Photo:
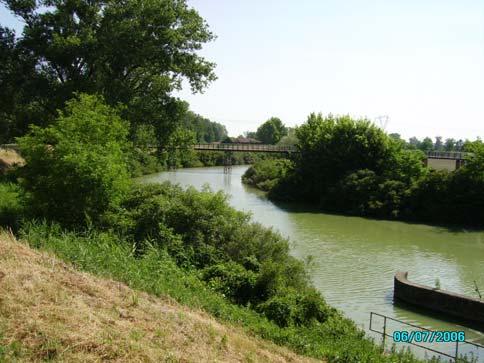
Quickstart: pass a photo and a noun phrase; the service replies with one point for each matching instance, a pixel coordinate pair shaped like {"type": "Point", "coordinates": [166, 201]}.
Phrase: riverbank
{"type": "Point", "coordinates": [360, 194]}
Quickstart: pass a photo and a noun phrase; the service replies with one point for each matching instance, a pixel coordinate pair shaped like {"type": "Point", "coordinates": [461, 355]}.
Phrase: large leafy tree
{"type": "Point", "coordinates": [23, 92]}
{"type": "Point", "coordinates": [331, 147]}
{"type": "Point", "coordinates": [271, 131]}
{"type": "Point", "coordinates": [134, 52]}
{"type": "Point", "coordinates": [339, 155]}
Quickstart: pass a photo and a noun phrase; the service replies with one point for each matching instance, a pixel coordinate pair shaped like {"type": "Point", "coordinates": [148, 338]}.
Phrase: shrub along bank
{"type": "Point", "coordinates": [351, 166]}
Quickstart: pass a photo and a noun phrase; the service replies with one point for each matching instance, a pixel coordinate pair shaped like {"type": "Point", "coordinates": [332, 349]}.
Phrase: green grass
{"type": "Point", "coordinates": [11, 208]}
{"type": "Point", "coordinates": [155, 272]}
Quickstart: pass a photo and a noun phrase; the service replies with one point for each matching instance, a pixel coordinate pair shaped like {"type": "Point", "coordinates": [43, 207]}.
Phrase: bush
{"type": "Point", "coordinates": [364, 193]}
{"type": "Point", "coordinates": [141, 162]}
{"type": "Point", "coordinates": [279, 309]}
{"type": "Point", "coordinates": [296, 308]}
{"type": "Point", "coordinates": [267, 173]}
{"type": "Point", "coordinates": [12, 208]}
{"type": "Point", "coordinates": [76, 168]}
{"type": "Point", "coordinates": [232, 280]}
{"type": "Point", "coordinates": [243, 260]}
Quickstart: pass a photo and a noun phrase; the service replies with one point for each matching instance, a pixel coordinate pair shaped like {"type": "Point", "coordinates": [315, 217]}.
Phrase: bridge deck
{"type": "Point", "coordinates": [452, 155]}
{"type": "Point", "coordinates": [245, 148]}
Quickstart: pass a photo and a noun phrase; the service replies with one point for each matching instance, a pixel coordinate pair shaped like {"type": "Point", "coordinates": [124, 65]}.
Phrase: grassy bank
{"type": "Point", "coordinates": [156, 273]}
{"type": "Point", "coordinates": [49, 311]}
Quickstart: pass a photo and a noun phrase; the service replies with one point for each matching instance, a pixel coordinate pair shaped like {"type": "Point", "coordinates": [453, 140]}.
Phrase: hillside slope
{"type": "Point", "coordinates": [50, 311]}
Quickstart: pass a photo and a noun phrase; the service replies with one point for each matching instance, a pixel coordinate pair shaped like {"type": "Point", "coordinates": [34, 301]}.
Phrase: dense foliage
{"type": "Point", "coordinates": [290, 139]}
{"type": "Point", "coordinates": [134, 52]}
{"type": "Point", "coordinates": [452, 197]}
{"type": "Point", "coordinates": [439, 144]}
{"type": "Point", "coordinates": [244, 260]}
{"type": "Point", "coordinates": [76, 168]}
{"type": "Point", "coordinates": [267, 173]}
{"type": "Point", "coordinates": [351, 166]}
{"type": "Point", "coordinates": [206, 131]}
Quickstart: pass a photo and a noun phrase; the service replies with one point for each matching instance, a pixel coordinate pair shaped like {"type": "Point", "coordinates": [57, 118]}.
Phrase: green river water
{"type": "Point", "coordinates": [355, 259]}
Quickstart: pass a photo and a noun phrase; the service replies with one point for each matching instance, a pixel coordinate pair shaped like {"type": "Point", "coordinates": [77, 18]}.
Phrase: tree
{"type": "Point", "coordinates": [250, 134]}
{"type": "Point", "coordinates": [459, 145]}
{"type": "Point", "coordinates": [332, 147]}
{"type": "Point", "coordinates": [290, 139]}
{"type": "Point", "coordinates": [426, 145]}
{"type": "Point", "coordinates": [271, 131]}
{"type": "Point", "coordinates": [133, 52]}
{"type": "Point", "coordinates": [413, 143]}
{"type": "Point", "coordinates": [439, 145]}
{"type": "Point", "coordinates": [472, 146]}
{"type": "Point", "coordinates": [204, 129]}
{"type": "Point", "coordinates": [449, 144]}
{"type": "Point", "coordinates": [20, 88]}
{"type": "Point", "coordinates": [76, 168]}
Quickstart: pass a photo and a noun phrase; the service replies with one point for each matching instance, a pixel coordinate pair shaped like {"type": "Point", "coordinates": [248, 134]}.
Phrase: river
{"type": "Point", "coordinates": [355, 259]}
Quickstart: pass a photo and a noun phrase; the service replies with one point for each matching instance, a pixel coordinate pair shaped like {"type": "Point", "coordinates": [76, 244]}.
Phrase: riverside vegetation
{"type": "Point", "coordinates": [353, 167]}
{"type": "Point", "coordinates": [74, 197]}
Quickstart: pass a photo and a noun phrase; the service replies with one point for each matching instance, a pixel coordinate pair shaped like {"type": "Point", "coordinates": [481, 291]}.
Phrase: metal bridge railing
{"type": "Point", "coordinates": [456, 355]}
{"type": "Point", "coordinates": [454, 155]}
{"type": "Point", "coordinates": [244, 147]}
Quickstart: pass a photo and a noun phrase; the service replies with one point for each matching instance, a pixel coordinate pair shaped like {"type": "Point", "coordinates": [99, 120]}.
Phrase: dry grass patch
{"type": "Point", "coordinates": [50, 311]}
{"type": "Point", "coordinates": [9, 158]}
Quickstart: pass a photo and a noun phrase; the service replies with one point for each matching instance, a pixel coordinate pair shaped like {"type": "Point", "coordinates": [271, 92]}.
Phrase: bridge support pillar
{"type": "Point", "coordinates": [227, 162]}
{"type": "Point", "coordinates": [171, 161]}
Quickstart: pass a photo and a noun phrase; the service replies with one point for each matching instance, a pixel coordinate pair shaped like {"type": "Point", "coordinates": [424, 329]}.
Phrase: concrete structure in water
{"type": "Point", "coordinates": [449, 303]}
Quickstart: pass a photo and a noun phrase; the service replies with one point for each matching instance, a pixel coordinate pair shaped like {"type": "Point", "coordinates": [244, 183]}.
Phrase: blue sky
{"type": "Point", "coordinates": [419, 62]}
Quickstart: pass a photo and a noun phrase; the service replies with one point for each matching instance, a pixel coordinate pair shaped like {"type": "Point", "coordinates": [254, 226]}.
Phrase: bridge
{"type": "Point", "coordinates": [446, 160]}
{"type": "Point", "coordinates": [438, 160]}
{"type": "Point", "coordinates": [230, 148]}
{"type": "Point", "coordinates": [258, 148]}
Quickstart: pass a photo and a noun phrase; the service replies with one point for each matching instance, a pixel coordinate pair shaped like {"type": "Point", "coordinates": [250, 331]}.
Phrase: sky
{"type": "Point", "coordinates": [419, 62]}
